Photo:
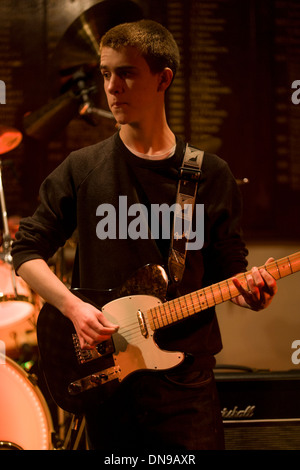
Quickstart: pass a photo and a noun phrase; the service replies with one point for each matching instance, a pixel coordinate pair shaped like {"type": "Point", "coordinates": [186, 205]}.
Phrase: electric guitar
{"type": "Point", "coordinates": [75, 376]}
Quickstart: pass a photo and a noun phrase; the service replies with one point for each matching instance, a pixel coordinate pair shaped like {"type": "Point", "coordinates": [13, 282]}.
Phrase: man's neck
{"type": "Point", "coordinates": [148, 143]}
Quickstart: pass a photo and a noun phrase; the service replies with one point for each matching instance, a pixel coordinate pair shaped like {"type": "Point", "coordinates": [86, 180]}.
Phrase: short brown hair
{"type": "Point", "coordinates": [154, 42]}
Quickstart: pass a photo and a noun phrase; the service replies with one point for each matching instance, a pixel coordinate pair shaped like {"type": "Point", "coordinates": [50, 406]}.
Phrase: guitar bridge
{"type": "Point", "coordinates": [86, 355]}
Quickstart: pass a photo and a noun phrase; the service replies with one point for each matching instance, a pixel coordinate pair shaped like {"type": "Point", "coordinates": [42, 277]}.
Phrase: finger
{"type": "Point", "coordinates": [239, 286]}
{"type": "Point", "coordinates": [243, 292]}
{"type": "Point", "coordinates": [93, 338]}
{"type": "Point", "coordinates": [106, 323]}
{"type": "Point", "coordinates": [85, 342]}
{"type": "Point", "coordinates": [87, 346]}
{"type": "Point", "coordinates": [89, 338]}
{"type": "Point", "coordinates": [90, 343]}
{"type": "Point", "coordinates": [270, 283]}
{"type": "Point", "coordinates": [270, 280]}
{"type": "Point", "coordinates": [97, 324]}
{"type": "Point", "coordinates": [252, 297]}
{"type": "Point", "coordinates": [255, 280]}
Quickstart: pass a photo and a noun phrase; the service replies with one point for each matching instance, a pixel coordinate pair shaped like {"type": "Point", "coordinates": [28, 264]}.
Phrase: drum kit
{"type": "Point", "coordinates": [25, 419]}
{"type": "Point", "coordinates": [29, 419]}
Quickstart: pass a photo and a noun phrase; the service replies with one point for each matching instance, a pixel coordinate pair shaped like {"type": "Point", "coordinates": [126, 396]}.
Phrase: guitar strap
{"type": "Point", "coordinates": [189, 176]}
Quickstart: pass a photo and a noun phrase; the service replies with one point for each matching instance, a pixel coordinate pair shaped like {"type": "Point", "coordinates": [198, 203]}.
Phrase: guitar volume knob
{"type": "Point", "coordinates": [98, 379]}
{"type": "Point", "coordinates": [95, 379]}
{"type": "Point", "coordinates": [74, 388]}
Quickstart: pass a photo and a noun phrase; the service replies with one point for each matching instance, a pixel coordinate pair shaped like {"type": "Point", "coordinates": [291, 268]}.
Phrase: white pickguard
{"type": "Point", "coordinates": [134, 351]}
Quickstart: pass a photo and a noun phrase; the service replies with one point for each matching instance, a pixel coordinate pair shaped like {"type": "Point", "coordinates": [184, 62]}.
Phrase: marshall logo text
{"type": "Point", "coordinates": [235, 413]}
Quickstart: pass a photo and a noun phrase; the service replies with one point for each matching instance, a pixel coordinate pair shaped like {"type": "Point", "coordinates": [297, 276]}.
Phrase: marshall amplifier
{"type": "Point", "coordinates": [260, 409]}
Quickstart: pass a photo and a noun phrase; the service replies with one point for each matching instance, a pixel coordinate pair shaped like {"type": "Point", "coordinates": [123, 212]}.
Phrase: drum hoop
{"type": "Point", "coordinates": [10, 445]}
{"type": "Point", "coordinates": [16, 298]}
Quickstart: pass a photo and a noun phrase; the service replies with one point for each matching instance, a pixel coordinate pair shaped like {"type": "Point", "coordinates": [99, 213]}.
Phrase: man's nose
{"type": "Point", "coordinates": [114, 84]}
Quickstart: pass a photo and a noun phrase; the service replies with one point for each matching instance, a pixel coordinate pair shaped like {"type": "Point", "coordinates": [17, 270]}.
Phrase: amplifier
{"type": "Point", "coordinates": [260, 409]}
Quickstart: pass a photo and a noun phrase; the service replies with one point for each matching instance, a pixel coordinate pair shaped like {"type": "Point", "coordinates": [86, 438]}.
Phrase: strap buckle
{"type": "Point", "coordinates": [189, 174]}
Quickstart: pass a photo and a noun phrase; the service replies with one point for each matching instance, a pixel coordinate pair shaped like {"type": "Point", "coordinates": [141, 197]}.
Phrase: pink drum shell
{"type": "Point", "coordinates": [25, 420]}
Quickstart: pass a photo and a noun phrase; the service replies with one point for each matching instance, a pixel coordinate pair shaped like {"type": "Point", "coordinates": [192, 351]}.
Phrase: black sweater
{"type": "Point", "coordinates": [99, 174]}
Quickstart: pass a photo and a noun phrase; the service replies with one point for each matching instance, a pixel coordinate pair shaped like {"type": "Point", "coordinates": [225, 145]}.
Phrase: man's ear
{"type": "Point", "coordinates": [166, 77]}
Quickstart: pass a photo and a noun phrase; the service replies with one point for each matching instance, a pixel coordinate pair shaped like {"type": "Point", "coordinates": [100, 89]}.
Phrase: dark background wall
{"type": "Point", "coordinates": [232, 95]}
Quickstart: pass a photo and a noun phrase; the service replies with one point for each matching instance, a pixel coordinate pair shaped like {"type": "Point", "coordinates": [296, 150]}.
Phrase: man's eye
{"type": "Point", "coordinates": [126, 74]}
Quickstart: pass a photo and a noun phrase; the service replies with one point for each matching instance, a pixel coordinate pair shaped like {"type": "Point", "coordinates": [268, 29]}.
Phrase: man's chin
{"type": "Point", "coordinates": [120, 120]}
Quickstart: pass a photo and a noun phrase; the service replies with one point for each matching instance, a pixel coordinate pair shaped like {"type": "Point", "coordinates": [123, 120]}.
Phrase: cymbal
{"type": "Point", "coordinates": [10, 138]}
{"type": "Point", "coordinates": [78, 51]}
{"type": "Point", "coordinates": [79, 45]}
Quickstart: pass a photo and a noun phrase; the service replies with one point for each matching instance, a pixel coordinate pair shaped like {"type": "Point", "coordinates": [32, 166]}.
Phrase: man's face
{"type": "Point", "coordinates": [132, 90]}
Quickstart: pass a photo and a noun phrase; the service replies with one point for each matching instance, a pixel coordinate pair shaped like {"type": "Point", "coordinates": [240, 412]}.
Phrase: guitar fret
{"type": "Point", "coordinates": [155, 322]}
{"type": "Point", "coordinates": [217, 294]}
{"type": "Point", "coordinates": [160, 317]}
{"type": "Point", "coordinates": [228, 286]}
{"type": "Point", "coordinates": [225, 290]}
{"type": "Point", "coordinates": [201, 302]}
{"type": "Point", "coordinates": [164, 321]}
{"type": "Point", "coordinates": [286, 269]}
{"type": "Point", "coordinates": [180, 307]}
{"type": "Point", "coordinates": [172, 312]}
{"type": "Point", "coordinates": [192, 303]}
{"type": "Point", "coordinates": [211, 301]}
{"type": "Point", "coordinates": [185, 303]}
{"type": "Point", "coordinates": [204, 292]}
{"type": "Point", "coordinates": [220, 290]}
{"type": "Point", "coordinates": [276, 264]}
{"type": "Point", "coordinates": [213, 295]}
{"type": "Point", "coordinates": [175, 309]}
{"type": "Point", "coordinates": [242, 277]}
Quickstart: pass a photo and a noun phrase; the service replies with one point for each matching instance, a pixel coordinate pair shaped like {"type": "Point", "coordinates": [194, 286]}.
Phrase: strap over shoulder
{"type": "Point", "coordinates": [189, 176]}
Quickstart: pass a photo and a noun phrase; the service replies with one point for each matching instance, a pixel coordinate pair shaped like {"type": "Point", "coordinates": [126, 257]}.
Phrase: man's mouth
{"type": "Point", "coordinates": [118, 104]}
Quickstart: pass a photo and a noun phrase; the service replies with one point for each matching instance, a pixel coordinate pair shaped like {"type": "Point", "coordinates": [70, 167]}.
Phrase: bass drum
{"type": "Point", "coordinates": [25, 420]}
{"type": "Point", "coordinates": [19, 308]}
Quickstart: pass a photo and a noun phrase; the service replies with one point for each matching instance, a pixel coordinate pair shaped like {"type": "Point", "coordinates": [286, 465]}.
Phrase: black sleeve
{"type": "Point", "coordinates": [53, 222]}
{"type": "Point", "coordinates": [224, 252]}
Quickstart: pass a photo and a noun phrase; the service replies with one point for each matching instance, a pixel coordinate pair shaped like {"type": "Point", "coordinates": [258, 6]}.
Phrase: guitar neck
{"type": "Point", "coordinates": [183, 307]}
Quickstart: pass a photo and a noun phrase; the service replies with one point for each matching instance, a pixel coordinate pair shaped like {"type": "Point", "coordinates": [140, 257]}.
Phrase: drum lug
{"type": "Point", "coordinates": [33, 379]}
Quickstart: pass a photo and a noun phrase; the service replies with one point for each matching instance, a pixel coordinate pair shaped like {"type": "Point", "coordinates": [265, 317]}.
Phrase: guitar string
{"type": "Point", "coordinates": [206, 300]}
{"type": "Point", "coordinates": [127, 330]}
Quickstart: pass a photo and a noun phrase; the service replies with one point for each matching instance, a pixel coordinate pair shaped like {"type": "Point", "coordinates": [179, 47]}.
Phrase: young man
{"type": "Point", "coordinates": [177, 409]}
